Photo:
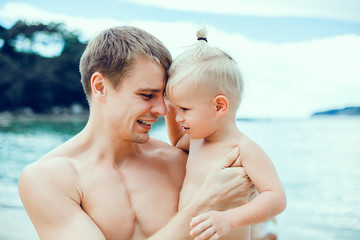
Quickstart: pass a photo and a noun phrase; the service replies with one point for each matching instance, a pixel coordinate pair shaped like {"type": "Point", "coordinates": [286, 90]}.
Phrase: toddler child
{"type": "Point", "coordinates": [205, 90]}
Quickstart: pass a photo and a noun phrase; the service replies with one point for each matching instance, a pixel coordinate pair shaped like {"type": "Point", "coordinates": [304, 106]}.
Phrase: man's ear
{"type": "Point", "coordinates": [221, 104]}
{"type": "Point", "coordinates": [98, 86]}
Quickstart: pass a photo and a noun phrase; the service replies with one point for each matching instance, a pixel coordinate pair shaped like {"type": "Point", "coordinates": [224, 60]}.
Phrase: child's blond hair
{"type": "Point", "coordinates": [209, 69]}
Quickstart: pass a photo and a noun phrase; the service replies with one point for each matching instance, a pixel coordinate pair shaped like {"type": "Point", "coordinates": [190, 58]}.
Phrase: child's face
{"type": "Point", "coordinates": [194, 111]}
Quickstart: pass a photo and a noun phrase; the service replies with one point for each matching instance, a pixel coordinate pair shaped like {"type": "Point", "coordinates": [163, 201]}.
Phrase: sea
{"type": "Point", "coordinates": [317, 160]}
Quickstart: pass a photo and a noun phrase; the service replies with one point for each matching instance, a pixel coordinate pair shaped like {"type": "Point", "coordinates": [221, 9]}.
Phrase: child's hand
{"type": "Point", "coordinates": [210, 225]}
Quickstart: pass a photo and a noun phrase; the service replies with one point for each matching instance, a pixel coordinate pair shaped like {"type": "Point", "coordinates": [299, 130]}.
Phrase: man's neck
{"type": "Point", "coordinates": [105, 145]}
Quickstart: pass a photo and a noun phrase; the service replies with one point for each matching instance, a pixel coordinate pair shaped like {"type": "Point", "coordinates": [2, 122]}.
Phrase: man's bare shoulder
{"type": "Point", "coordinates": [58, 162]}
{"type": "Point", "coordinates": [166, 155]}
{"type": "Point", "coordinates": [49, 174]}
{"type": "Point", "coordinates": [167, 152]}
{"type": "Point", "coordinates": [48, 166]}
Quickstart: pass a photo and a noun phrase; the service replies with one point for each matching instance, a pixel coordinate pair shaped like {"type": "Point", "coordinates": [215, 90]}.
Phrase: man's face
{"type": "Point", "coordinates": [135, 107]}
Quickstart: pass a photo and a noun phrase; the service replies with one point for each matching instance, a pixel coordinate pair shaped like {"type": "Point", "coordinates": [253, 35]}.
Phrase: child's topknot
{"type": "Point", "coordinates": [201, 35]}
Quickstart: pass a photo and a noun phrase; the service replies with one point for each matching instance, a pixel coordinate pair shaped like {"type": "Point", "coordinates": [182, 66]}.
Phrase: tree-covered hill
{"type": "Point", "coordinates": [31, 77]}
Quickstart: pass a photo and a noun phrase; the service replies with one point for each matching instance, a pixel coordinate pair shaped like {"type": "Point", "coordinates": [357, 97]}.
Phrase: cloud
{"type": "Point", "coordinates": [11, 12]}
{"type": "Point", "coordinates": [281, 80]}
{"type": "Point", "coordinates": [347, 10]}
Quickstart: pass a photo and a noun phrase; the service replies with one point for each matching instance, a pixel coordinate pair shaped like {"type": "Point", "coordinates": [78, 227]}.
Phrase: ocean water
{"type": "Point", "coordinates": [317, 159]}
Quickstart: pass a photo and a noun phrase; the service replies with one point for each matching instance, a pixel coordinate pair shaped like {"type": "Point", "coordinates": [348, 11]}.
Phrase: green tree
{"type": "Point", "coordinates": [31, 79]}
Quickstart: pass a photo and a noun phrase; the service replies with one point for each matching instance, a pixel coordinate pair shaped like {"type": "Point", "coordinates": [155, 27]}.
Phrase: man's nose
{"type": "Point", "coordinates": [159, 107]}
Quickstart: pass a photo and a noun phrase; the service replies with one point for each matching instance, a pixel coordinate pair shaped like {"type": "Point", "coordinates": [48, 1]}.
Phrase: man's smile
{"type": "Point", "coordinates": [146, 124]}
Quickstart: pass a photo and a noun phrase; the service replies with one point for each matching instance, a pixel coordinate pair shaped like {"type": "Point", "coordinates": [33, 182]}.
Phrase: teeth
{"type": "Point", "coordinates": [146, 122]}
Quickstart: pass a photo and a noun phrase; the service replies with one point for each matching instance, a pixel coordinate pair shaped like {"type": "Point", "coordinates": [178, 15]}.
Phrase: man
{"type": "Point", "coordinates": [112, 181]}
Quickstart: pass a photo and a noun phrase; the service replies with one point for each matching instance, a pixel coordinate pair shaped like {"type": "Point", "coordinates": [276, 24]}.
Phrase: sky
{"type": "Point", "coordinates": [296, 57]}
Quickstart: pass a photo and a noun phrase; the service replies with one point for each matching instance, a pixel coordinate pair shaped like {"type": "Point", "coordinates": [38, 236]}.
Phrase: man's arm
{"type": "Point", "coordinates": [223, 187]}
{"type": "Point", "coordinates": [52, 200]}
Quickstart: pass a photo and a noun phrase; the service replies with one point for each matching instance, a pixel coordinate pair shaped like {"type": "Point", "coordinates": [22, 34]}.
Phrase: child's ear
{"type": "Point", "coordinates": [221, 104]}
{"type": "Point", "coordinates": [98, 86]}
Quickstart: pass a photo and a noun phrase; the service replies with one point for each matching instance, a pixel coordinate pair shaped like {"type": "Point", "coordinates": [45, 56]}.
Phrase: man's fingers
{"type": "Point", "coordinates": [229, 158]}
{"type": "Point", "coordinates": [242, 172]}
{"type": "Point", "coordinates": [238, 174]}
{"type": "Point", "coordinates": [252, 188]}
{"type": "Point", "coordinates": [253, 193]}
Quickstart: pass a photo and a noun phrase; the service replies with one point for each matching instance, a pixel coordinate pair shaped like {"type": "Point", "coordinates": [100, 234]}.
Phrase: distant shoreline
{"type": "Point", "coordinates": [6, 117]}
{"type": "Point", "coordinates": [347, 111]}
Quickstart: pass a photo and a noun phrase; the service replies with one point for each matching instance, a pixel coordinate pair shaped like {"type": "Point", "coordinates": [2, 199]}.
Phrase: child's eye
{"type": "Point", "coordinates": [184, 109]}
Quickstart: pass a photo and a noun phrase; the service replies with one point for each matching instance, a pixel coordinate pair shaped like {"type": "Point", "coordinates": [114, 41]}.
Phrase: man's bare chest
{"type": "Point", "coordinates": [127, 205]}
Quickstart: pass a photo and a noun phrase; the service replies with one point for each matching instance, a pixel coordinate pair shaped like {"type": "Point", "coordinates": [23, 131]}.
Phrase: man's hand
{"type": "Point", "coordinates": [224, 186]}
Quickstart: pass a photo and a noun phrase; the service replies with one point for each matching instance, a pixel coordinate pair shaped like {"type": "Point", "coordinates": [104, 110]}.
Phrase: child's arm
{"type": "Point", "coordinates": [270, 202]}
{"type": "Point", "coordinates": [175, 133]}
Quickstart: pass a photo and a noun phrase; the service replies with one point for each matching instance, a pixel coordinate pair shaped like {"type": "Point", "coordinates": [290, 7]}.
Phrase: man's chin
{"type": "Point", "coordinates": [141, 138]}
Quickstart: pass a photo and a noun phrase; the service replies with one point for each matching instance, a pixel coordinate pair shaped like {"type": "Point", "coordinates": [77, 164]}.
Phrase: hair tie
{"type": "Point", "coordinates": [200, 38]}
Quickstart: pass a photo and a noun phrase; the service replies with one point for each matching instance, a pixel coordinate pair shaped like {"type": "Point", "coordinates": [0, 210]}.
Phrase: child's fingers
{"type": "Point", "coordinates": [200, 228]}
{"type": "Point", "coordinates": [198, 219]}
{"type": "Point", "coordinates": [215, 236]}
{"type": "Point", "coordinates": [206, 234]}
{"type": "Point", "coordinates": [229, 159]}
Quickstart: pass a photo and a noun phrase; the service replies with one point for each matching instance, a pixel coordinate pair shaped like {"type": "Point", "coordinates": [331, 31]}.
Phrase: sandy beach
{"type": "Point", "coordinates": [16, 225]}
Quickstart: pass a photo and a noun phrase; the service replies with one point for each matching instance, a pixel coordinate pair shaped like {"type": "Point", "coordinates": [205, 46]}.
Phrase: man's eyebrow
{"type": "Point", "coordinates": [149, 90]}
